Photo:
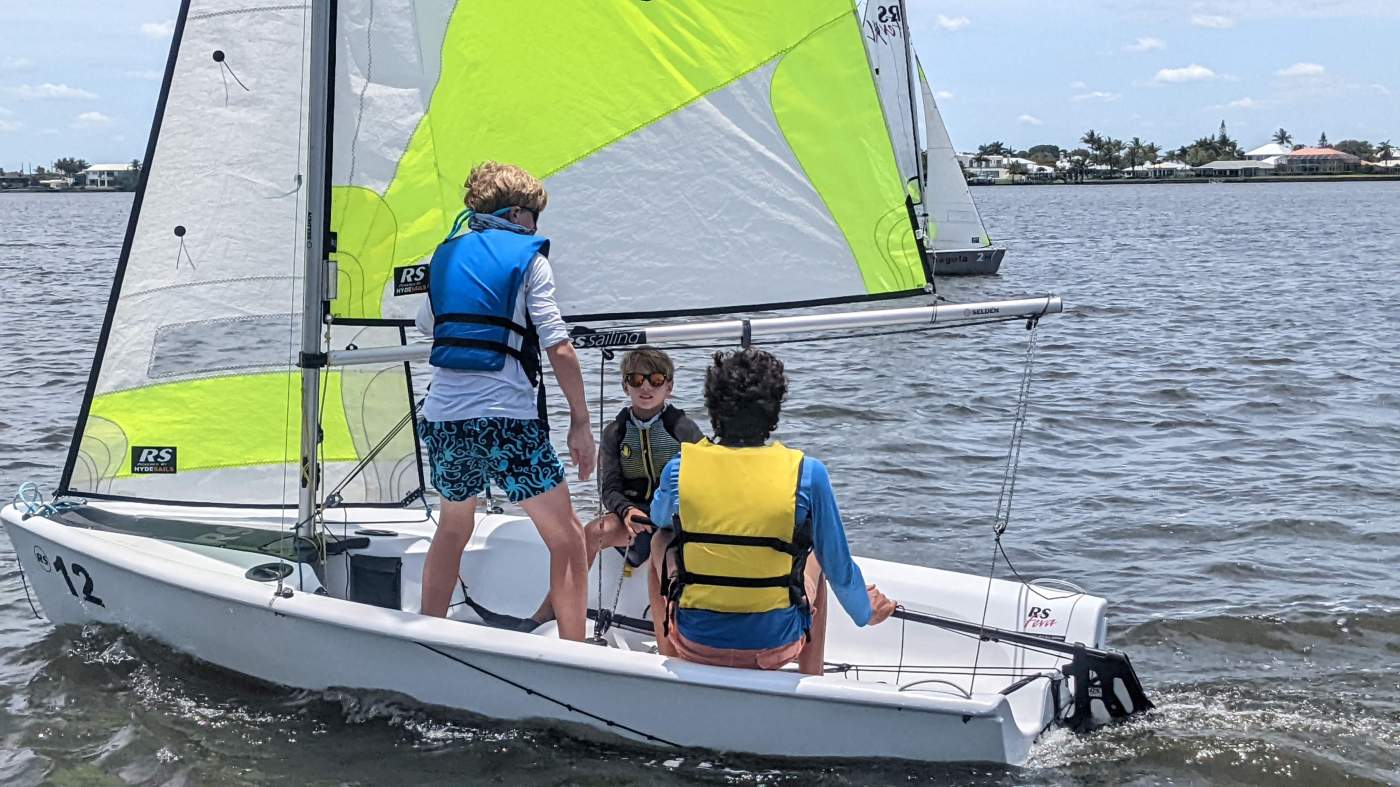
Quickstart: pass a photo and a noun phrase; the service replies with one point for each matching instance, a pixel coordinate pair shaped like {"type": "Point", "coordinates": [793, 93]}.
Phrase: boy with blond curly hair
{"type": "Point", "coordinates": [490, 310]}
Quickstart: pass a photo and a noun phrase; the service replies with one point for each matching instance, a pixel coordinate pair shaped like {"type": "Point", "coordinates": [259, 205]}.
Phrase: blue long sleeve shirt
{"type": "Point", "coordinates": [816, 502]}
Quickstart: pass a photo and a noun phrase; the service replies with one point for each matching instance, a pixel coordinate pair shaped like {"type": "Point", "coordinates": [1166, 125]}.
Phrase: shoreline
{"type": "Point", "coordinates": [1155, 181]}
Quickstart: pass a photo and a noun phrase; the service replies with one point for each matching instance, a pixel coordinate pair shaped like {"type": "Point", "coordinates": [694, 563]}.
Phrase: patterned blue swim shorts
{"type": "Point", "coordinates": [514, 454]}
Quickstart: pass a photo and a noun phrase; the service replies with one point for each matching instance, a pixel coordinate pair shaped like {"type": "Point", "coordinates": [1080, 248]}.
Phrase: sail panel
{"type": "Point", "coordinates": [887, 47]}
{"type": "Point", "coordinates": [953, 220]}
{"type": "Point", "coordinates": [598, 85]}
{"type": "Point", "coordinates": [194, 396]}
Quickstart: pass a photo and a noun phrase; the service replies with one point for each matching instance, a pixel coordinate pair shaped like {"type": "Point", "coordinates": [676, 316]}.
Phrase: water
{"type": "Point", "coordinates": [1213, 444]}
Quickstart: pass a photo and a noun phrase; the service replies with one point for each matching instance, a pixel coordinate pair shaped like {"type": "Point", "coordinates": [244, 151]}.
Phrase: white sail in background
{"type": "Point", "coordinates": [953, 220]}
{"type": "Point", "coordinates": [194, 391]}
{"type": "Point", "coordinates": [888, 48]}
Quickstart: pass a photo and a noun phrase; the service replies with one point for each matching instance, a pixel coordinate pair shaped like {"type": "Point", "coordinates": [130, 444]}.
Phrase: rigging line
{"type": "Point", "coordinates": [1029, 586]}
{"type": "Point", "coordinates": [24, 580]}
{"type": "Point", "coordinates": [291, 291]}
{"type": "Point", "coordinates": [986, 602]}
{"type": "Point", "coordinates": [534, 693]}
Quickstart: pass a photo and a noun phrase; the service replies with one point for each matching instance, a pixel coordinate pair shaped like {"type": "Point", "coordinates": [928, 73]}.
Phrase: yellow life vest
{"type": "Point", "coordinates": [738, 548]}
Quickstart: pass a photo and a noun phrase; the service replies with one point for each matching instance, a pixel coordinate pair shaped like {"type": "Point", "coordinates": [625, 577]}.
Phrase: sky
{"type": "Point", "coordinates": [80, 77]}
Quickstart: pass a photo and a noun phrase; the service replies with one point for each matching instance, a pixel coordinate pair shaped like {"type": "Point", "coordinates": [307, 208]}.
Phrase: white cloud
{"type": "Point", "coordinates": [1030, 120]}
{"type": "Point", "coordinates": [158, 29]}
{"type": "Point", "coordinates": [1096, 95]}
{"type": "Point", "coordinates": [1191, 73]}
{"type": "Point", "coordinates": [1212, 21]}
{"type": "Point", "coordinates": [50, 90]}
{"type": "Point", "coordinates": [1302, 70]}
{"type": "Point", "coordinates": [1379, 88]}
{"type": "Point", "coordinates": [150, 75]}
{"type": "Point", "coordinates": [1244, 103]}
{"type": "Point", "coordinates": [1146, 44]}
{"type": "Point", "coordinates": [952, 22]}
{"type": "Point", "coordinates": [91, 120]}
{"type": "Point", "coordinates": [943, 95]}
{"type": "Point", "coordinates": [6, 126]}
{"type": "Point", "coordinates": [13, 63]}
{"type": "Point", "coordinates": [1077, 85]}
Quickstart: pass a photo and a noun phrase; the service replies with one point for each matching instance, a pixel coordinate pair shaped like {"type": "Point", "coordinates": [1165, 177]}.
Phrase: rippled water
{"type": "Point", "coordinates": [1213, 444]}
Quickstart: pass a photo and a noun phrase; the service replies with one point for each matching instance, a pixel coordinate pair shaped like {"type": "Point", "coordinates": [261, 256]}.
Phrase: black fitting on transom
{"type": "Point", "coordinates": [313, 360]}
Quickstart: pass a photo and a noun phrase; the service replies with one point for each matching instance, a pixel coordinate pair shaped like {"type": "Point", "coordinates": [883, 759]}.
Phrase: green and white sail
{"type": "Point", "coordinates": [953, 220]}
{"type": "Point", "coordinates": [194, 394]}
{"type": "Point", "coordinates": [701, 156]}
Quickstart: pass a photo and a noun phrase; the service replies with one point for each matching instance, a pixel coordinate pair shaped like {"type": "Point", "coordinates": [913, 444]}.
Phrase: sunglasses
{"type": "Point", "coordinates": [635, 379]}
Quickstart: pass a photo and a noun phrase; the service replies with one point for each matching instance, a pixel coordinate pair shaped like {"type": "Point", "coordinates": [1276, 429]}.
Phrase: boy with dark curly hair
{"type": "Point", "coordinates": [739, 521]}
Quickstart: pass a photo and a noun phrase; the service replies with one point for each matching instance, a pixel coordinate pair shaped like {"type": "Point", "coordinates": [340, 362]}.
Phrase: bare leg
{"type": "Point", "coordinates": [603, 532]}
{"type": "Point", "coordinates": [660, 542]}
{"type": "Point", "coordinates": [562, 533]}
{"type": "Point", "coordinates": [813, 658]}
{"type": "Point", "coordinates": [442, 564]}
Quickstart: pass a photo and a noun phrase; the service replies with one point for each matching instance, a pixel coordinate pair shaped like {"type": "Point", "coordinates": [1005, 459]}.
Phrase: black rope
{"type": "Point", "coordinates": [24, 580]}
{"type": "Point", "coordinates": [566, 706]}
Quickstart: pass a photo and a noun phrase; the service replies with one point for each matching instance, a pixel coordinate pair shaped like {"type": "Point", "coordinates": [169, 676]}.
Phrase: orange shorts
{"type": "Point", "coordinates": [743, 658]}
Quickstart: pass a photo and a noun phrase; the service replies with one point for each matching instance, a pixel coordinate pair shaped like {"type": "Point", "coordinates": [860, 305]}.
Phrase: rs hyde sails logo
{"type": "Point", "coordinates": [152, 459]}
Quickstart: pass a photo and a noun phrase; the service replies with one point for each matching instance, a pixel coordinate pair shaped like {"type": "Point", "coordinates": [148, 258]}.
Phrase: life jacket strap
{"type": "Point", "coordinates": [530, 362]}
{"type": "Point", "coordinates": [786, 547]}
{"type": "Point", "coordinates": [481, 319]}
{"type": "Point", "coordinates": [687, 578]}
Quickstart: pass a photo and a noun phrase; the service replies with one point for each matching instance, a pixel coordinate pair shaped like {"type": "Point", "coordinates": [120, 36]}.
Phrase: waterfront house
{"type": "Point", "coordinates": [1321, 161]}
{"type": "Point", "coordinates": [108, 177]}
{"type": "Point", "coordinates": [1268, 152]}
{"type": "Point", "coordinates": [1235, 169]}
{"type": "Point", "coordinates": [13, 180]}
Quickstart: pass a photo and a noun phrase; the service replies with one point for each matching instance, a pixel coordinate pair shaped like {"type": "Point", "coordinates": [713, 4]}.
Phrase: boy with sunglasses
{"type": "Point", "coordinates": [636, 445]}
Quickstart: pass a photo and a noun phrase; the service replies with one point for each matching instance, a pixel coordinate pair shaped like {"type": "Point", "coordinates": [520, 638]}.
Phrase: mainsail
{"type": "Point", "coordinates": [194, 390]}
{"type": "Point", "coordinates": [953, 220]}
{"type": "Point", "coordinates": [702, 156]}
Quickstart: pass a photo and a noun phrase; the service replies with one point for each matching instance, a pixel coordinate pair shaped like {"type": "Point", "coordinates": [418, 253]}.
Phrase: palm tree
{"type": "Point", "coordinates": [1282, 137]}
{"type": "Point", "coordinates": [1134, 152]}
{"type": "Point", "coordinates": [1151, 152]}
{"type": "Point", "coordinates": [1092, 139]}
{"type": "Point", "coordinates": [1017, 170]}
{"type": "Point", "coordinates": [996, 149]}
{"type": "Point", "coordinates": [1384, 151]}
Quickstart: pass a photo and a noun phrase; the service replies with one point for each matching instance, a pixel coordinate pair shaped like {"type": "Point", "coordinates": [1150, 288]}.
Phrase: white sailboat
{"type": "Point", "coordinates": [952, 228]}
{"type": "Point", "coordinates": [240, 485]}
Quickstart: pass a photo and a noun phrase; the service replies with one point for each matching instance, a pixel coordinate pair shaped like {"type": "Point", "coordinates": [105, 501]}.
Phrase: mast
{"type": "Point", "coordinates": [312, 359]}
{"type": "Point", "coordinates": [913, 105]}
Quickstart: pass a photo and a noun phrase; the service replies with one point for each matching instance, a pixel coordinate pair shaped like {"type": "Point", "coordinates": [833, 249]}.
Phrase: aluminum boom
{"type": "Point", "coordinates": [738, 331]}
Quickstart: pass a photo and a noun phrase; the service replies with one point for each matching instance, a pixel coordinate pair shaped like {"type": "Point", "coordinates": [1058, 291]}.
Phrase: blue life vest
{"type": "Point", "coordinates": [474, 282]}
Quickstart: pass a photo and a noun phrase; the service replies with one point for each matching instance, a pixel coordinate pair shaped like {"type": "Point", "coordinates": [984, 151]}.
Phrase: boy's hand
{"type": "Point", "coordinates": [881, 607]}
{"type": "Point", "coordinates": [637, 521]}
{"type": "Point", "coordinates": [583, 451]}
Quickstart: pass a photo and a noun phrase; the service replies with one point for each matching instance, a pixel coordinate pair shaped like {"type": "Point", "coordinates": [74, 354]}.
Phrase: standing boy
{"type": "Point", "coordinates": [490, 309]}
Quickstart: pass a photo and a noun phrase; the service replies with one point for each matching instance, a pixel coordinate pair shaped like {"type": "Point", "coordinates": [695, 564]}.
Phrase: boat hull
{"type": "Point", "coordinates": [209, 609]}
{"type": "Point", "coordinates": [967, 262]}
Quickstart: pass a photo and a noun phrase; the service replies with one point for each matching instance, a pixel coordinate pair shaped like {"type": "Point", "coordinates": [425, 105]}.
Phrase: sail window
{"type": "Point", "coordinates": [264, 341]}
